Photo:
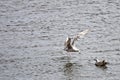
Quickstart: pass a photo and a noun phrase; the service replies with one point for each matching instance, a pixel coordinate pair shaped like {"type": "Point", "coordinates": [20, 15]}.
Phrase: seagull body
{"type": "Point", "coordinates": [100, 63]}
{"type": "Point", "coordinates": [70, 44]}
{"type": "Point", "coordinates": [69, 47]}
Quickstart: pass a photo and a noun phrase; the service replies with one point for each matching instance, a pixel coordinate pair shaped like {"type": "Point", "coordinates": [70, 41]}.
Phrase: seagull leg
{"type": "Point", "coordinates": [69, 54]}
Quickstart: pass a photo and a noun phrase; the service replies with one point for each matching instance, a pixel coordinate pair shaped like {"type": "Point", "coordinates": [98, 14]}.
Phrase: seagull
{"type": "Point", "coordinates": [100, 63]}
{"type": "Point", "coordinates": [70, 44]}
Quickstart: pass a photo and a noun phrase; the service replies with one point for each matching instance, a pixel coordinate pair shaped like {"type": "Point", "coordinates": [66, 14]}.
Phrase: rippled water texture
{"type": "Point", "coordinates": [32, 34]}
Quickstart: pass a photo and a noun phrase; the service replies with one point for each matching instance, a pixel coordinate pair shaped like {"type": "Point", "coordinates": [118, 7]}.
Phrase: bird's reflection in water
{"type": "Point", "coordinates": [68, 70]}
{"type": "Point", "coordinates": [102, 67]}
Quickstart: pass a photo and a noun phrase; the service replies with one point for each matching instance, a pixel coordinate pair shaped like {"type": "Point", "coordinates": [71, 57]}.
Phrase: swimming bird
{"type": "Point", "coordinates": [70, 44]}
{"type": "Point", "coordinates": [100, 63]}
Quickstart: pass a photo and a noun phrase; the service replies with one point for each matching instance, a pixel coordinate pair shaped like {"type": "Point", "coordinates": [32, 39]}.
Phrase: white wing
{"type": "Point", "coordinates": [80, 35]}
{"type": "Point", "coordinates": [66, 42]}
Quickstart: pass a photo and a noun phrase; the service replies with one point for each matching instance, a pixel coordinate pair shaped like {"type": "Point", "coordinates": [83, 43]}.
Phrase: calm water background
{"type": "Point", "coordinates": [32, 34]}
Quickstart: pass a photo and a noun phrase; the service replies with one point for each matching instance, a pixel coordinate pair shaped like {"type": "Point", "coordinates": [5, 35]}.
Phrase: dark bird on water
{"type": "Point", "coordinates": [100, 63]}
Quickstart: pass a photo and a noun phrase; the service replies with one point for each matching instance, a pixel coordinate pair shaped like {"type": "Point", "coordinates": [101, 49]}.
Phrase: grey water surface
{"type": "Point", "coordinates": [32, 35]}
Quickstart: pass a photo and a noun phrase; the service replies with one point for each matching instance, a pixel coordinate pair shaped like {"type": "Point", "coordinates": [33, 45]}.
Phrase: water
{"type": "Point", "coordinates": [32, 34]}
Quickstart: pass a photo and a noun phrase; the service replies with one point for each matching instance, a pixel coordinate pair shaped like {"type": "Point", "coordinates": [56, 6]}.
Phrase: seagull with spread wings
{"type": "Point", "coordinates": [70, 44]}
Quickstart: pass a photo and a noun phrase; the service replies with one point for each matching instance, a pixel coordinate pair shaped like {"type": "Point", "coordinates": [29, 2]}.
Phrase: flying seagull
{"type": "Point", "coordinates": [70, 44]}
